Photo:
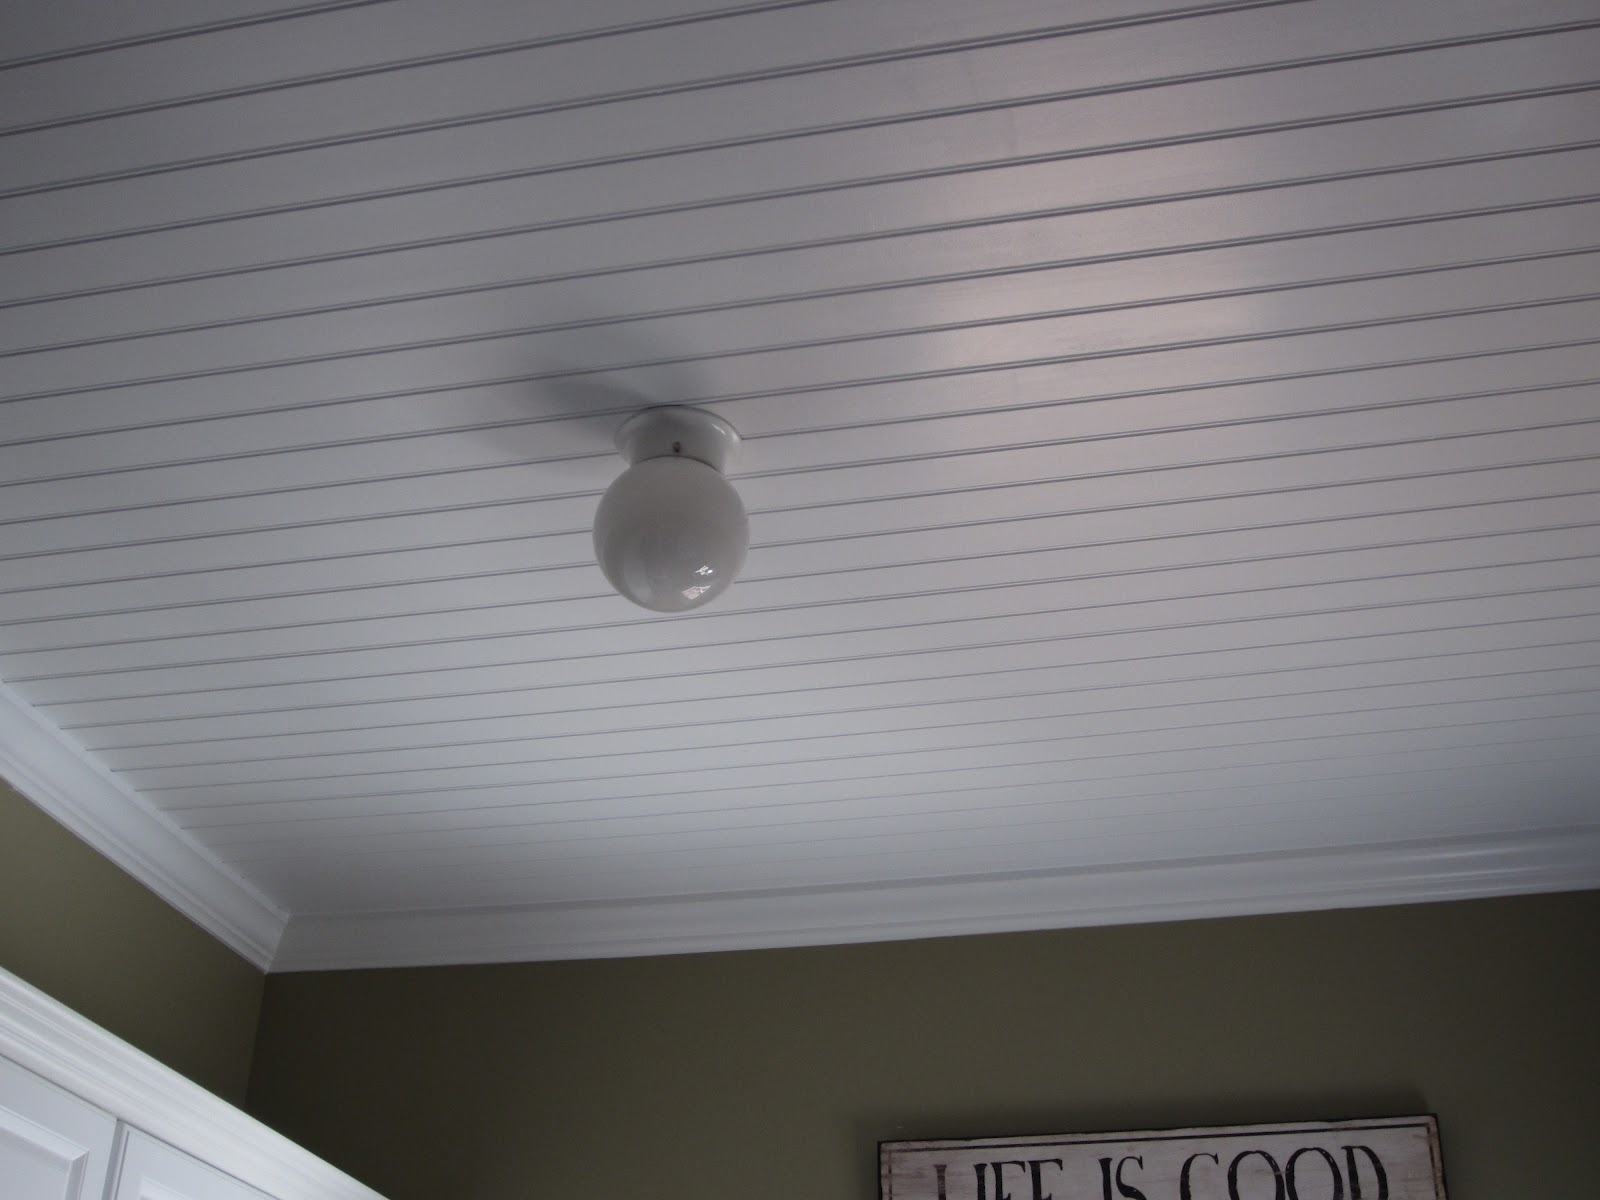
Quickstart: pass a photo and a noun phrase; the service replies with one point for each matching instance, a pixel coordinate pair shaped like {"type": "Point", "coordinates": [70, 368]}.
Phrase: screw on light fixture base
{"type": "Point", "coordinates": [672, 429]}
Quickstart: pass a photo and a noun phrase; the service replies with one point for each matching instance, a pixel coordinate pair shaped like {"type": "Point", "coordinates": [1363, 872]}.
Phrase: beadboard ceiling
{"type": "Point", "coordinates": [1172, 445]}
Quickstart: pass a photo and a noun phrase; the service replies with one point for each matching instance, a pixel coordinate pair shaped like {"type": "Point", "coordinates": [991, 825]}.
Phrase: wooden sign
{"type": "Point", "coordinates": [1390, 1158]}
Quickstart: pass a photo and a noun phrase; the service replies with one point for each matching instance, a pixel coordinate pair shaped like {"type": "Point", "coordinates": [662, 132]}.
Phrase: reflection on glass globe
{"type": "Point", "coordinates": [670, 533]}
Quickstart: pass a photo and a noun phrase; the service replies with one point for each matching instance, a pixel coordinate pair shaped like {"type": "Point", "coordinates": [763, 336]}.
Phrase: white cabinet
{"type": "Point", "coordinates": [53, 1146]}
{"type": "Point", "coordinates": [152, 1170]}
{"type": "Point", "coordinates": [85, 1116]}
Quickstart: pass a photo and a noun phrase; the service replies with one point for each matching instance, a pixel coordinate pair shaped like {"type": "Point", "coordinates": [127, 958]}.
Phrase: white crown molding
{"type": "Point", "coordinates": [50, 769]}
{"type": "Point", "coordinates": [1453, 869]}
{"type": "Point", "coordinates": [50, 1039]}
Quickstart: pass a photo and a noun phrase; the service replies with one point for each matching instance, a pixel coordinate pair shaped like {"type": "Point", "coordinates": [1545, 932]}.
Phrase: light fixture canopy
{"type": "Point", "coordinates": [671, 533]}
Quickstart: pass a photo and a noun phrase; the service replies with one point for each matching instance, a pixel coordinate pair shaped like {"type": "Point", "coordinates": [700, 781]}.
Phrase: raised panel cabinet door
{"type": "Point", "coordinates": [53, 1146]}
{"type": "Point", "coordinates": [152, 1170]}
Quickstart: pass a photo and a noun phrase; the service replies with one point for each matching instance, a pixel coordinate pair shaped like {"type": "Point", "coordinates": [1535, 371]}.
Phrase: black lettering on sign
{"type": "Point", "coordinates": [1185, 1192]}
{"type": "Point", "coordinates": [1333, 1169]}
{"type": "Point", "coordinates": [1233, 1175]}
{"type": "Point", "coordinates": [1375, 1159]}
{"type": "Point", "coordinates": [1126, 1190]}
{"type": "Point", "coordinates": [1035, 1167]}
{"type": "Point", "coordinates": [1354, 1172]}
{"type": "Point", "coordinates": [998, 1168]}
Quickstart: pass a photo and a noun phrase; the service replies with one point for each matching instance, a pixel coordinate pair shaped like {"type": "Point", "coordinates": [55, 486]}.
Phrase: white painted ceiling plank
{"type": "Point", "coordinates": [173, 55]}
{"type": "Point", "coordinates": [1559, 613]}
{"type": "Point", "coordinates": [817, 607]}
{"type": "Point", "coordinates": [1008, 554]}
{"type": "Point", "coordinates": [938, 625]}
{"type": "Point", "coordinates": [749, 373]}
{"type": "Point", "coordinates": [1034, 788]}
{"type": "Point", "coordinates": [1055, 828]}
{"type": "Point", "coordinates": [1436, 246]}
{"type": "Point", "coordinates": [38, 31]}
{"type": "Point", "coordinates": [1478, 496]}
{"type": "Point", "coordinates": [1049, 536]}
{"type": "Point", "coordinates": [845, 797]}
{"type": "Point", "coordinates": [1558, 690]}
{"type": "Point", "coordinates": [329, 863]}
{"type": "Point", "coordinates": [1265, 837]}
{"type": "Point", "coordinates": [318, 856]}
{"type": "Point", "coordinates": [1102, 745]}
{"type": "Point", "coordinates": [1166, 443]}
{"type": "Point", "coordinates": [641, 287]}
{"type": "Point", "coordinates": [640, 45]}
{"type": "Point", "coordinates": [1050, 673]}
{"type": "Point", "coordinates": [1272, 832]}
{"type": "Point", "coordinates": [1203, 52]}
{"type": "Point", "coordinates": [589, 232]}
{"type": "Point", "coordinates": [1307, 317]}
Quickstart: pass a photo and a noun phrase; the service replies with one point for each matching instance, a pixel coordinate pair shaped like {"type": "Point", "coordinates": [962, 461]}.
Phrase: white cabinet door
{"type": "Point", "coordinates": [153, 1170]}
{"type": "Point", "coordinates": [53, 1146]}
{"type": "Point", "coordinates": [64, 1085]}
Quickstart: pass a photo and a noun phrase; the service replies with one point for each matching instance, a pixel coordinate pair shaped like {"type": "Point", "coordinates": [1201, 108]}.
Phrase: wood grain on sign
{"type": "Point", "coordinates": [1388, 1158]}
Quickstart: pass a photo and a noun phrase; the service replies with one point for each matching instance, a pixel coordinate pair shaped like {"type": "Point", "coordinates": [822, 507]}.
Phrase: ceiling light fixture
{"type": "Point", "coordinates": [671, 532]}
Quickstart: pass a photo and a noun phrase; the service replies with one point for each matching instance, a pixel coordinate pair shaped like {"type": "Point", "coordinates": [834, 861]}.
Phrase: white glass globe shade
{"type": "Point", "coordinates": [670, 533]}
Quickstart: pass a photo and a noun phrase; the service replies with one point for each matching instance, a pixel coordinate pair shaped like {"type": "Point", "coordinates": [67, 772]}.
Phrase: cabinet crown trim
{"type": "Point", "coordinates": [48, 1038]}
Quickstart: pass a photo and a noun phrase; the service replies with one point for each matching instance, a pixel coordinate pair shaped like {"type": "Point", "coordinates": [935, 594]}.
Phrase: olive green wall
{"type": "Point", "coordinates": [773, 1074]}
{"type": "Point", "coordinates": [80, 929]}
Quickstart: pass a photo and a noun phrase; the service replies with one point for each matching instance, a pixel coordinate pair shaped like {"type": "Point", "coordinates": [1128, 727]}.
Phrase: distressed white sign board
{"type": "Point", "coordinates": [1391, 1158]}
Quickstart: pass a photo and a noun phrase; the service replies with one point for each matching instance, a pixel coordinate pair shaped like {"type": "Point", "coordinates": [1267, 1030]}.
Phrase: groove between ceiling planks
{"type": "Point", "coordinates": [1029, 569]}
{"type": "Point", "coordinates": [1010, 808]}
{"type": "Point", "coordinates": [378, 428]}
{"type": "Point", "coordinates": [75, 48]}
{"type": "Point", "coordinates": [989, 661]}
{"type": "Point", "coordinates": [1311, 445]}
{"type": "Point", "coordinates": [1084, 421]}
{"type": "Point", "coordinates": [1076, 821]}
{"type": "Point", "coordinates": [1295, 100]}
{"type": "Point", "coordinates": [652, 790]}
{"type": "Point", "coordinates": [507, 43]}
{"type": "Point", "coordinates": [915, 511]}
{"type": "Point", "coordinates": [928, 528]}
{"type": "Point", "coordinates": [1563, 599]}
{"type": "Point", "coordinates": [1272, 838]}
{"type": "Point", "coordinates": [1056, 842]}
{"type": "Point", "coordinates": [759, 708]}
{"type": "Point", "coordinates": [691, 16]}
{"type": "Point", "coordinates": [658, 66]}
{"type": "Point", "coordinates": [1291, 250]}
{"type": "Point", "coordinates": [792, 384]}
{"type": "Point", "coordinates": [744, 330]}
{"type": "Point", "coordinates": [1557, 710]}
{"type": "Point", "coordinates": [720, 629]}
{"type": "Point", "coordinates": [1190, 462]}
{"type": "Point", "coordinates": [1178, 317]}
{"type": "Point", "coordinates": [1191, 115]}
{"type": "Point", "coordinates": [667, 62]}
{"type": "Point", "coordinates": [1569, 515]}
{"type": "Point", "coordinates": [889, 715]}
{"type": "Point", "coordinates": [1020, 786]}
{"type": "Point", "coordinates": [1027, 788]}
{"type": "Point", "coordinates": [1158, 644]}
{"type": "Point", "coordinates": [1038, 711]}
{"type": "Point", "coordinates": [1243, 765]}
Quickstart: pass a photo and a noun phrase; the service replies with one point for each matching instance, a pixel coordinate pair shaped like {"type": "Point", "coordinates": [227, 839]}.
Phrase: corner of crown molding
{"type": "Point", "coordinates": [46, 1037]}
{"type": "Point", "coordinates": [59, 776]}
{"type": "Point", "coordinates": [1463, 868]}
